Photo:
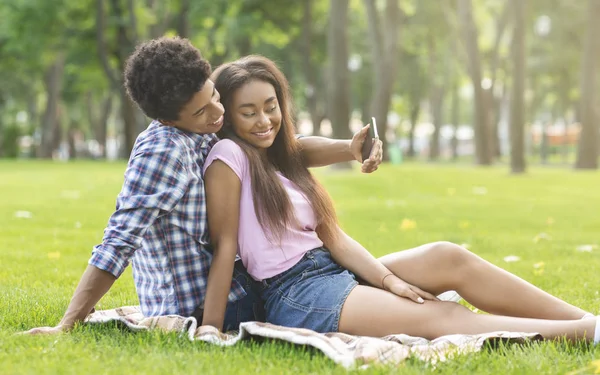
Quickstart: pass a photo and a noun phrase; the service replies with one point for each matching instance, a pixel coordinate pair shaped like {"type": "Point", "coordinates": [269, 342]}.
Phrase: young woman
{"type": "Point", "coordinates": [266, 207]}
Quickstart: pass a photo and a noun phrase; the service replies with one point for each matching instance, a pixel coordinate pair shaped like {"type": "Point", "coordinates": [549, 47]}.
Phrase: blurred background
{"type": "Point", "coordinates": [476, 81]}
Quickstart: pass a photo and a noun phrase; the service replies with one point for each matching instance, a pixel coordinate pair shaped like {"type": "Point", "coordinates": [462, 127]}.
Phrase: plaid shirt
{"type": "Point", "coordinates": [160, 223]}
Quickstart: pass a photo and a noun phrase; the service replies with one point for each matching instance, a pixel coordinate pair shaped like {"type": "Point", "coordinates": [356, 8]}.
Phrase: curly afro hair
{"type": "Point", "coordinates": [163, 74]}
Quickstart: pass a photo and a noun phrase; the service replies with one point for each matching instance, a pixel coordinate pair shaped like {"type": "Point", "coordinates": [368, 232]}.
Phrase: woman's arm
{"type": "Point", "coordinates": [321, 151]}
{"type": "Point", "coordinates": [354, 257]}
{"type": "Point", "coordinates": [223, 192]}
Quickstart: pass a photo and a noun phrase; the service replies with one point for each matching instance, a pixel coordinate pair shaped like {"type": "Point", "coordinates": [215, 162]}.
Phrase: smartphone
{"type": "Point", "coordinates": [368, 144]}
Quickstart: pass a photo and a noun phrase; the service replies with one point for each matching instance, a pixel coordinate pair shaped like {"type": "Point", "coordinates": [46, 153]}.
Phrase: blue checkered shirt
{"type": "Point", "coordinates": [160, 223]}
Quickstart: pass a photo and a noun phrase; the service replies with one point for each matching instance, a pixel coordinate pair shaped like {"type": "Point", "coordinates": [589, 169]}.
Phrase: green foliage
{"type": "Point", "coordinates": [34, 32]}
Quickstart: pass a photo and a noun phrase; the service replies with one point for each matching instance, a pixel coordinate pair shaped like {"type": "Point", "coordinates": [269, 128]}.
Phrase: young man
{"type": "Point", "coordinates": [160, 220]}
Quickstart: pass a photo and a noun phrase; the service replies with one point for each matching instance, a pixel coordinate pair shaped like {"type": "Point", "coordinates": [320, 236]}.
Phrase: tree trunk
{"type": "Point", "coordinates": [32, 112]}
{"type": "Point", "coordinates": [124, 46]}
{"type": "Point", "coordinates": [455, 113]}
{"type": "Point", "coordinates": [101, 132]}
{"type": "Point", "coordinates": [544, 147]}
{"type": "Point", "coordinates": [481, 123]}
{"type": "Point", "coordinates": [71, 135]}
{"type": "Point", "coordinates": [437, 107]}
{"type": "Point", "coordinates": [130, 132]}
{"type": "Point", "coordinates": [517, 99]}
{"type": "Point", "coordinates": [587, 152]}
{"type": "Point", "coordinates": [316, 116]}
{"type": "Point", "coordinates": [339, 85]}
{"type": "Point", "coordinates": [564, 104]}
{"type": "Point", "coordinates": [183, 22]}
{"type": "Point", "coordinates": [58, 133]}
{"type": "Point", "coordinates": [53, 83]}
{"type": "Point", "coordinates": [99, 123]}
{"type": "Point", "coordinates": [436, 98]}
{"type": "Point", "coordinates": [385, 46]}
{"type": "Point", "coordinates": [494, 103]}
{"type": "Point", "coordinates": [496, 116]}
{"type": "Point", "coordinates": [414, 118]}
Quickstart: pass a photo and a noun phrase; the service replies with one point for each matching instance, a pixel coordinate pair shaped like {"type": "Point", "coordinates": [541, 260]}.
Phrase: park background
{"type": "Point", "coordinates": [489, 110]}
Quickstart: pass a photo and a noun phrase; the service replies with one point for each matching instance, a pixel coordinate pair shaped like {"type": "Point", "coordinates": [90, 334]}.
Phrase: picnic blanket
{"type": "Point", "coordinates": [346, 350]}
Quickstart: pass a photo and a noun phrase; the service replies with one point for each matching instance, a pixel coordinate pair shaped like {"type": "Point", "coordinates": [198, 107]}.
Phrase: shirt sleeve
{"type": "Point", "coordinates": [155, 181]}
{"type": "Point", "coordinates": [231, 154]}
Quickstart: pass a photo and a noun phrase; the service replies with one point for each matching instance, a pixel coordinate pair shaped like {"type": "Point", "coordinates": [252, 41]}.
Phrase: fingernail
{"type": "Point", "coordinates": [420, 300]}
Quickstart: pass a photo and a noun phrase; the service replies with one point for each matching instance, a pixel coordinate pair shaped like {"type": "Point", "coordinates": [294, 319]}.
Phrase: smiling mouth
{"type": "Point", "coordinates": [263, 134]}
{"type": "Point", "coordinates": [219, 122]}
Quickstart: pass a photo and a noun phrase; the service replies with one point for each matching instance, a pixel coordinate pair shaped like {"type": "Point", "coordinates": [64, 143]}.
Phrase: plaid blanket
{"type": "Point", "coordinates": [346, 350]}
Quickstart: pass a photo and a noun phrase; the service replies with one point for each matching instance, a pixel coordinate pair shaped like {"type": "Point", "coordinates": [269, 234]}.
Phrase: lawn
{"type": "Point", "coordinates": [51, 215]}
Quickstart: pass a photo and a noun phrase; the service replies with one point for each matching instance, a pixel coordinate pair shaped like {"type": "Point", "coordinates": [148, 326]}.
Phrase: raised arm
{"type": "Point", "coordinates": [351, 255]}
{"type": "Point", "coordinates": [321, 151]}
{"type": "Point", "coordinates": [223, 192]}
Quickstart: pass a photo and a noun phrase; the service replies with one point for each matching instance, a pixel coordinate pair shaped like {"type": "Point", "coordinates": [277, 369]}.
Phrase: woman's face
{"type": "Point", "coordinates": [255, 114]}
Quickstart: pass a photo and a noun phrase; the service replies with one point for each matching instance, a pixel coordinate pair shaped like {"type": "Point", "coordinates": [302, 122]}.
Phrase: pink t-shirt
{"type": "Point", "coordinates": [262, 258]}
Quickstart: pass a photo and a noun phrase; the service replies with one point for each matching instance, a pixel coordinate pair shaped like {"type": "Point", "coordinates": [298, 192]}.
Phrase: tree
{"type": "Point", "coordinates": [455, 118]}
{"type": "Point", "coordinates": [124, 41]}
{"type": "Point", "coordinates": [482, 122]}
{"type": "Point", "coordinates": [339, 78]}
{"type": "Point", "coordinates": [50, 121]}
{"type": "Point", "coordinates": [587, 155]}
{"type": "Point", "coordinates": [439, 73]}
{"type": "Point", "coordinates": [413, 84]}
{"type": "Point", "coordinates": [385, 48]}
{"type": "Point", "coordinates": [312, 89]}
{"type": "Point", "coordinates": [493, 101]}
{"type": "Point", "coordinates": [517, 98]}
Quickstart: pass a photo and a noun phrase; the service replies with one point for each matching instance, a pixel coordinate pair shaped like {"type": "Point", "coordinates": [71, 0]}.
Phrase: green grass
{"type": "Point", "coordinates": [43, 257]}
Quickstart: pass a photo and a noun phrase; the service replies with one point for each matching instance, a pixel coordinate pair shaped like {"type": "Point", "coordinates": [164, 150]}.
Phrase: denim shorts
{"type": "Point", "coordinates": [310, 294]}
{"type": "Point", "coordinates": [249, 308]}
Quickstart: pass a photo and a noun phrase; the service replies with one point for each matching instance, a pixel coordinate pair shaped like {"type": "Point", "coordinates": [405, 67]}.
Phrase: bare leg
{"type": "Point", "coordinates": [370, 311]}
{"type": "Point", "coordinates": [443, 266]}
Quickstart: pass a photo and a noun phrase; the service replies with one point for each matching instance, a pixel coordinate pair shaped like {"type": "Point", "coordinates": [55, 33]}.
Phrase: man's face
{"type": "Point", "coordinates": [203, 114]}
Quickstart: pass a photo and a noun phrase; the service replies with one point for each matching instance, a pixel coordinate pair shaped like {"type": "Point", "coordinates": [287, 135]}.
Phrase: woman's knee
{"type": "Point", "coordinates": [450, 253]}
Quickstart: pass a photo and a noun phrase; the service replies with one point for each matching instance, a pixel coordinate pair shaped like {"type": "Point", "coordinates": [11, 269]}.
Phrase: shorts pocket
{"type": "Point", "coordinates": [311, 292]}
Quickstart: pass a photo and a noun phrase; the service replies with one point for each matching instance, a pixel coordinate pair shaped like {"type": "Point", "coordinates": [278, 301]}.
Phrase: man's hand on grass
{"type": "Point", "coordinates": [47, 330]}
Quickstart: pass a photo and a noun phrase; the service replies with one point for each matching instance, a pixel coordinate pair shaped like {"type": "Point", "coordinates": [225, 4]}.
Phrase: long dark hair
{"type": "Point", "coordinates": [271, 202]}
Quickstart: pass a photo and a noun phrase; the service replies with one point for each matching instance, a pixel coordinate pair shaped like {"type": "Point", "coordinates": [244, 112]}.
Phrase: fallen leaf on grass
{"type": "Point", "coordinates": [451, 192]}
{"type": "Point", "coordinates": [592, 368]}
{"type": "Point", "coordinates": [392, 203]}
{"type": "Point", "coordinates": [77, 225]}
{"type": "Point", "coordinates": [550, 221]}
{"type": "Point", "coordinates": [54, 255]}
{"type": "Point", "coordinates": [538, 268]}
{"type": "Point", "coordinates": [464, 224]}
{"type": "Point", "coordinates": [408, 224]}
{"type": "Point", "coordinates": [511, 258]}
{"type": "Point", "coordinates": [542, 237]}
{"type": "Point", "coordinates": [587, 248]}
{"type": "Point", "coordinates": [480, 190]}
{"type": "Point", "coordinates": [23, 215]}
{"type": "Point", "coordinates": [382, 228]}
{"type": "Point", "coordinates": [70, 194]}
{"type": "Point", "coordinates": [465, 245]}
